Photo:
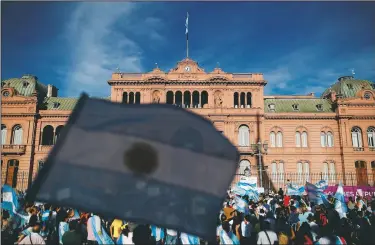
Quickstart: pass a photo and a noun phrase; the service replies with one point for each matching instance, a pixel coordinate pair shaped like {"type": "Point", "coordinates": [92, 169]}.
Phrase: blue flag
{"type": "Point", "coordinates": [340, 205]}
{"type": "Point", "coordinates": [241, 205]}
{"type": "Point", "coordinates": [294, 190]}
{"type": "Point", "coordinates": [156, 163]}
{"type": "Point", "coordinates": [10, 200]}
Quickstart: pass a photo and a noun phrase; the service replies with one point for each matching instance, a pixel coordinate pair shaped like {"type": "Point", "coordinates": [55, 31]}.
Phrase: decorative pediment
{"type": "Point", "coordinates": [187, 66]}
{"type": "Point", "coordinates": [155, 75]}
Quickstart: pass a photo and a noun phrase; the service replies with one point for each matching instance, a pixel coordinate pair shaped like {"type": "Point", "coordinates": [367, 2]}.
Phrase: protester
{"type": "Point", "coordinates": [34, 237]}
{"type": "Point", "coordinates": [73, 235]}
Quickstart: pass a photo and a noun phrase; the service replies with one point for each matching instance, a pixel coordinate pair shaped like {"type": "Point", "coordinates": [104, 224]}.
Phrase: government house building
{"type": "Point", "coordinates": [280, 137]}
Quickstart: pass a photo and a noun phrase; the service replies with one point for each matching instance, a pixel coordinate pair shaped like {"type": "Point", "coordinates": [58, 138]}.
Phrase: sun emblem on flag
{"type": "Point", "coordinates": [141, 158]}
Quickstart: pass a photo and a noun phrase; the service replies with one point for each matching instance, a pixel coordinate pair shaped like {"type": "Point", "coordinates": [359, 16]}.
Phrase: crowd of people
{"type": "Point", "coordinates": [274, 218]}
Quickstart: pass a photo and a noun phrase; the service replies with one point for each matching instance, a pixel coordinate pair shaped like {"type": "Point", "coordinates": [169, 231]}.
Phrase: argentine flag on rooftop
{"type": "Point", "coordinates": [148, 163]}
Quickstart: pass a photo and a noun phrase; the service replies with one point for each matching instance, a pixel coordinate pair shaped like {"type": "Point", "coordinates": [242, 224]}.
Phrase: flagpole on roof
{"type": "Point", "coordinates": [187, 34]}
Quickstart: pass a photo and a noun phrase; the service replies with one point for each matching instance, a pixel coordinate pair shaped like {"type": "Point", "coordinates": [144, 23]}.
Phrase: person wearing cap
{"type": "Point", "coordinates": [34, 237]}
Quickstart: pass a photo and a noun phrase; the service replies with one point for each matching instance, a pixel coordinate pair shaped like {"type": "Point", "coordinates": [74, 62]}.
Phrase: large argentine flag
{"type": "Point", "coordinates": [10, 200]}
{"type": "Point", "coordinates": [156, 164]}
{"type": "Point", "coordinates": [340, 204]}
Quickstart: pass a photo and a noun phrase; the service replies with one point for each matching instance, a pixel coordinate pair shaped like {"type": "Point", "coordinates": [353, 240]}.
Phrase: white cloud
{"type": "Point", "coordinates": [308, 70]}
{"type": "Point", "coordinates": [102, 36]}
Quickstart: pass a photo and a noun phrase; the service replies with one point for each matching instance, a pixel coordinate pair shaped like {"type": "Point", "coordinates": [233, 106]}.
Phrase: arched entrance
{"type": "Point", "coordinates": [361, 173]}
{"type": "Point", "coordinates": [11, 173]}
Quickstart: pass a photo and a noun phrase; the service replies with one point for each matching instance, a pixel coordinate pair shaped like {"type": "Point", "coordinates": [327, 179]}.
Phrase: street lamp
{"type": "Point", "coordinates": [260, 149]}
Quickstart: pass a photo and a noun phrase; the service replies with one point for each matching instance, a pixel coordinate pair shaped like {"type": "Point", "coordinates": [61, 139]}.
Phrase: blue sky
{"type": "Point", "coordinates": [300, 47]}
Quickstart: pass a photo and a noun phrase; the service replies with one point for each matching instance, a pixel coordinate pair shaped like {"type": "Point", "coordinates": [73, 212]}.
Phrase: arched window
{"type": "Point", "coordinates": [329, 171]}
{"type": "Point", "coordinates": [277, 169]}
{"type": "Point", "coordinates": [298, 139]}
{"type": "Point", "coordinates": [3, 134]}
{"type": "Point", "coordinates": [299, 171]}
{"type": "Point", "coordinates": [330, 139]}
{"type": "Point", "coordinates": [131, 98]}
{"type": "Point", "coordinates": [306, 170]}
{"type": "Point", "coordinates": [178, 98]}
{"type": "Point", "coordinates": [303, 171]}
{"type": "Point", "coordinates": [243, 136]}
{"type": "Point", "coordinates": [371, 136]}
{"type": "Point", "coordinates": [244, 165]}
{"type": "Point", "coordinates": [47, 135]}
{"type": "Point", "coordinates": [17, 135]}
{"type": "Point", "coordinates": [58, 132]}
{"type": "Point", "coordinates": [323, 139]}
{"type": "Point", "coordinates": [40, 164]}
{"type": "Point", "coordinates": [248, 100]}
{"type": "Point", "coordinates": [12, 173]}
{"type": "Point", "coordinates": [137, 97]}
{"type": "Point", "coordinates": [279, 139]}
{"type": "Point", "coordinates": [242, 99]}
{"type": "Point", "coordinates": [361, 173]}
{"type": "Point", "coordinates": [169, 98]}
{"type": "Point", "coordinates": [204, 98]}
{"type": "Point", "coordinates": [304, 139]}
{"type": "Point", "coordinates": [195, 99]}
{"type": "Point", "coordinates": [187, 99]}
{"type": "Point", "coordinates": [357, 137]}
{"type": "Point", "coordinates": [272, 139]}
{"type": "Point", "coordinates": [235, 98]}
{"type": "Point", "coordinates": [125, 97]}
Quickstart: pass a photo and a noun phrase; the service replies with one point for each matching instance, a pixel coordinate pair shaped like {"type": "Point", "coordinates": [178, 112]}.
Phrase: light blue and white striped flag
{"type": "Point", "coordinates": [322, 185]}
{"type": "Point", "coordinates": [340, 204]}
{"type": "Point", "coordinates": [246, 186]}
{"type": "Point", "coordinates": [157, 232]}
{"type": "Point", "coordinates": [187, 24]}
{"type": "Point", "coordinates": [100, 234]}
{"type": "Point", "coordinates": [241, 205]}
{"type": "Point", "coordinates": [189, 239]}
{"type": "Point", "coordinates": [153, 163]}
{"type": "Point", "coordinates": [294, 190]}
{"type": "Point", "coordinates": [10, 200]}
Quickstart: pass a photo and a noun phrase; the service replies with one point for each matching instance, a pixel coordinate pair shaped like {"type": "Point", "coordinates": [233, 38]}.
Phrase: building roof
{"type": "Point", "coordinates": [348, 87]}
{"type": "Point", "coordinates": [27, 85]}
{"type": "Point", "coordinates": [62, 103]}
{"type": "Point", "coordinates": [303, 105]}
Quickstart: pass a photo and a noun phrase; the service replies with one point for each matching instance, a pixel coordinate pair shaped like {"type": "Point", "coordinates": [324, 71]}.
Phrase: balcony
{"type": "Point", "coordinates": [245, 149]}
{"type": "Point", "coordinates": [45, 148]}
{"type": "Point", "coordinates": [358, 149]}
{"type": "Point", "coordinates": [13, 149]}
{"type": "Point", "coordinates": [371, 148]}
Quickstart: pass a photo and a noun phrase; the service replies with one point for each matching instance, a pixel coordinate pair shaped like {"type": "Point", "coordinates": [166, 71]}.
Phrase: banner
{"type": "Point", "coordinates": [365, 191]}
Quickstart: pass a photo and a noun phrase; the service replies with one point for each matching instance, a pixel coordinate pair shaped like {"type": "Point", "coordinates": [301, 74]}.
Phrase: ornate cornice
{"type": "Point", "coordinates": [357, 104]}
{"type": "Point", "coordinates": [293, 117]}
{"type": "Point", "coordinates": [54, 116]}
{"type": "Point", "coordinates": [17, 102]}
{"type": "Point", "coordinates": [19, 115]}
{"type": "Point", "coordinates": [186, 82]}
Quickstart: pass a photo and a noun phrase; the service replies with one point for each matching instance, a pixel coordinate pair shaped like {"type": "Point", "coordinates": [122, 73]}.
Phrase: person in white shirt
{"type": "Point", "coordinates": [267, 236]}
{"type": "Point", "coordinates": [34, 237]}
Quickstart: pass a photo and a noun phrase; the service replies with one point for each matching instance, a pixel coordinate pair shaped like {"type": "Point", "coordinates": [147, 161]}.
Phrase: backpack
{"type": "Point", "coordinates": [283, 239]}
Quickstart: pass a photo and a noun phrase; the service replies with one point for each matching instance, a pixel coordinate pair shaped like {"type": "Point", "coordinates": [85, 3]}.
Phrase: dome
{"type": "Point", "coordinates": [348, 87]}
